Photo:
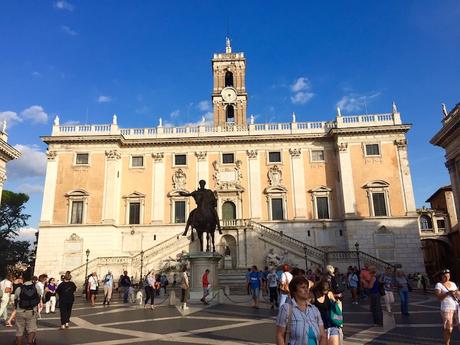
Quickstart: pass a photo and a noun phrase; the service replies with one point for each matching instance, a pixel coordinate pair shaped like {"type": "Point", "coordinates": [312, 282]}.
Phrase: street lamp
{"type": "Point", "coordinates": [357, 255]}
{"type": "Point", "coordinates": [306, 258]}
{"type": "Point", "coordinates": [86, 271]}
{"type": "Point", "coordinates": [142, 263]}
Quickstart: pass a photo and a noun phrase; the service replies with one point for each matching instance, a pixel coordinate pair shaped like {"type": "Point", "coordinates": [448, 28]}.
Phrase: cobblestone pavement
{"type": "Point", "coordinates": [227, 323]}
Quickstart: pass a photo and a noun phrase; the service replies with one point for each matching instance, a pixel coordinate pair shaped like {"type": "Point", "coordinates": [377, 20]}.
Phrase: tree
{"type": "Point", "coordinates": [12, 219]}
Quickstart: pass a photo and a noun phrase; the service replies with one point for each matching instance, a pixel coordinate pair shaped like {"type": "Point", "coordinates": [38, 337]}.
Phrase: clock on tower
{"type": "Point", "coordinates": [229, 97]}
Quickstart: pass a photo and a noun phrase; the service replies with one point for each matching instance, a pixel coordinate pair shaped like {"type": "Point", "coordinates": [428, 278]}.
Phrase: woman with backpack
{"type": "Point", "coordinates": [66, 290]}
{"type": "Point", "coordinates": [328, 306]}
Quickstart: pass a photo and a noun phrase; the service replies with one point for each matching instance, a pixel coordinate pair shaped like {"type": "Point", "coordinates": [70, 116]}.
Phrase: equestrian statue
{"type": "Point", "coordinates": [203, 218]}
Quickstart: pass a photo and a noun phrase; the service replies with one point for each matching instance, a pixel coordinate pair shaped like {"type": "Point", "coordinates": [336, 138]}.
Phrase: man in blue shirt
{"type": "Point", "coordinates": [254, 283]}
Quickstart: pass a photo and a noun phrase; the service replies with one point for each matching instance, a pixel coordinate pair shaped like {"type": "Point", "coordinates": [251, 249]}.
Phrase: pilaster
{"type": "Point", "coordinates": [346, 179]}
{"type": "Point", "coordinates": [255, 190]}
{"type": "Point", "coordinates": [405, 176]}
{"type": "Point", "coordinates": [202, 168]}
{"type": "Point", "coordinates": [50, 188]}
{"type": "Point", "coordinates": [298, 183]}
{"type": "Point", "coordinates": [111, 198]}
{"type": "Point", "coordinates": [158, 192]}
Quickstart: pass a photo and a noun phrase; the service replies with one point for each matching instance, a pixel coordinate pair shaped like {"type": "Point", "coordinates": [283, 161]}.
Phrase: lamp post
{"type": "Point", "coordinates": [142, 264]}
{"type": "Point", "coordinates": [86, 270]}
{"type": "Point", "coordinates": [306, 258]}
{"type": "Point", "coordinates": [357, 255]}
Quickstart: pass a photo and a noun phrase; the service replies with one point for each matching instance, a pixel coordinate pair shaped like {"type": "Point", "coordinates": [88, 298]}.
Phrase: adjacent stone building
{"type": "Point", "coordinates": [7, 153]}
{"type": "Point", "coordinates": [304, 189]}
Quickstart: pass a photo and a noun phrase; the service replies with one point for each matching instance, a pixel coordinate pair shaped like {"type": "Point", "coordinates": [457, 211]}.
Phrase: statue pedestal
{"type": "Point", "coordinates": [228, 262]}
{"type": "Point", "coordinates": [199, 263]}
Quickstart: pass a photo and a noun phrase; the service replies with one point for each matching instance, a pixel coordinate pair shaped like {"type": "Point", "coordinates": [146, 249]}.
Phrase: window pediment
{"type": "Point", "coordinates": [376, 184]}
{"type": "Point", "coordinates": [175, 193]}
{"type": "Point", "coordinates": [275, 189]}
{"type": "Point", "coordinates": [77, 193]}
{"type": "Point", "coordinates": [320, 189]}
{"type": "Point", "coordinates": [135, 195]}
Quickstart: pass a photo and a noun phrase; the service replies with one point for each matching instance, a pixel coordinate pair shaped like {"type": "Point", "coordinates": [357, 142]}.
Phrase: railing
{"type": "Point", "coordinates": [352, 256]}
{"type": "Point", "coordinates": [230, 129]}
{"type": "Point", "coordinates": [152, 251]}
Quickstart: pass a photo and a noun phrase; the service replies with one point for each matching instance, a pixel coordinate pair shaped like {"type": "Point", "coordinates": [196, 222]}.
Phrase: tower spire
{"type": "Point", "coordinates": [228, 47]}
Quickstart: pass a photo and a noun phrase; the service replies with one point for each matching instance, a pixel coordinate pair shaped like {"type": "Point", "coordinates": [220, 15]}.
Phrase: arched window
{"type": "Point", "coordinates": [228, 210]}
{"type": "Point", "coordinates": [230, 114]}
{"type": "Point", "coordinates": [425, 222]}
{"type": "Point", "coordinates": [228, 79]}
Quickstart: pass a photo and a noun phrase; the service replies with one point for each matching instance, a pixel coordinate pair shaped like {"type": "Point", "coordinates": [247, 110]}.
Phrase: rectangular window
{"type": "Point", "coordinates": [274, 157]}
{"type": "Point", "coordinates": [180, 159]}
{"type": "Point", "coordinates": [372, 150]}
{"type": "Point", "coordinates": [134, 212]}
{"type": "Point", "coordinates": [322, 207]}
{"type": "Point", "coordinates": [380, 208]}
{"type": "Point", "coordinates": [317, 155]}
{"type": "Point", "coordinates": [228, 158]}
{"type": "Point", "coordinates": [77, 212]}
{"type": "Point", "coordinates": [277, 209]}
{"type": "Point", "coordinates": [82, 158]}
{"type": "Point", "coordinates": [179, 212]}
{"type": "Point", "coordinates": [441, 223]}
{"type": "Point", "coordinates": [137, 161]}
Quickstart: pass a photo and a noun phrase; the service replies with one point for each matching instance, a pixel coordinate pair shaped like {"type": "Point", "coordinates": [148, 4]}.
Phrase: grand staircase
{"type": "Point", "coordinates": [155, 257]}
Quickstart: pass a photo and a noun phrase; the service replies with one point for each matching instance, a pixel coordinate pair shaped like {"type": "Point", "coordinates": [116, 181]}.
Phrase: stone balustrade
{"type": "Point", "coordinates": [203, 130]}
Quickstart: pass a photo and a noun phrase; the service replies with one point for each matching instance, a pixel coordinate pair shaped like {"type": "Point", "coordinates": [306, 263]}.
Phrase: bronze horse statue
{"type": "Point", "coordinates": [204, 217]}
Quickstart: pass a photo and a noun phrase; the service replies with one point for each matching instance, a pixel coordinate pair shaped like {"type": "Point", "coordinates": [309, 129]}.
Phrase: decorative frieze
{"type": "Point", "coordinates": [51, 155]}
{"type": "Point", "coordinates": [112, 154]}
{"type": "Point", "coordinates": [252, 154]}
{"type": "Point", "coordinates": [295, 152]}
{"type": "Point", "coordinates": [158, 156]}
{"type": "Point", "coordinates": [201, 155]}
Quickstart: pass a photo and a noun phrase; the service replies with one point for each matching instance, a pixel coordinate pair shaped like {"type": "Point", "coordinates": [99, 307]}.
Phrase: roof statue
{"type": "Point", "coordinates": [252, 119]}
{"type": "Point", "coordinates": [394, 108]}
{"type": "Point", "coordinates": [56, 120]}
{"type": "Point", "coordinates": [203, 119]}
{"type": "Point", "coordinates": [228, 47]}
{"type": "Point", "coordinates": [444, 109]}
{"type": "Point", "coordinates": [293, 117]}
{"type": "Point", "coordinates": [114, 119]}
{"type": "Point", "coordinates": [160, 122]}
{"type": "Point", "coordinates": [4, 126]}
{"type": "Point", "coordinates": [338, 112]}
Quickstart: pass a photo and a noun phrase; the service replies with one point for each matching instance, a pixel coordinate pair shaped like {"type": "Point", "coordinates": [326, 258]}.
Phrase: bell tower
{"type": "Point", "coordinates": [229, 97]}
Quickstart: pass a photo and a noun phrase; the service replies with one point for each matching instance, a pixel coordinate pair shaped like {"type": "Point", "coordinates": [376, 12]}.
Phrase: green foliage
{"type": "Point", "coordinates": [12, 219]}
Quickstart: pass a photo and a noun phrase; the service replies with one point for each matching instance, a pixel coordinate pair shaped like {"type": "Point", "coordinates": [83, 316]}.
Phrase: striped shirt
{"type": "Point", "coordinates": [305, 325]}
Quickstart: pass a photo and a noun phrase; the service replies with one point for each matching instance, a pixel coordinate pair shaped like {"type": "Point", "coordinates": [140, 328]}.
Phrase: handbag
{"type": "Point", "coordinates": [284, 287]}
{"type": "Point", "coordinates": [335, 314]}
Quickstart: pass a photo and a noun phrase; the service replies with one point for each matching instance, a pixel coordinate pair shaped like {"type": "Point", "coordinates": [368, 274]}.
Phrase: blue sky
{"type": "Point", "coordinates": [143, 60]}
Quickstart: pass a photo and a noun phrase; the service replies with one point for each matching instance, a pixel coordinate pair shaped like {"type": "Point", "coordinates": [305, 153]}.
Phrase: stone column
{"type": "Point", "coordinates": [202, 169]}
{"type": "Point", "coordinates": [454, 172]}
{"type": "Point", "coordinates": [255, 197]}
{"type": "Point", "coordinates": [158, 193]}
{"type": "Point", "coordinates": [346, 180]}
{"type": "Point", "coordinates": [298, 183]}
{"type": "Point", "coordinates": [111, 198]}
{"type": "Point", "coordinates": [405, 176]}
{"type": "Point", "coordinates": [50, 188]}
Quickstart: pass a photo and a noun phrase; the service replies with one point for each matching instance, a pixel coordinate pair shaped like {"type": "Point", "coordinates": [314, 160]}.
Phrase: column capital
{"type": "Point", "coordinates": [201, 155]}
{"type": "Point", "coordinates": [2, 178]}
{"type": "Point", "coordinates": [400, 143]}
{"type": "Point", "coordinates": [342, 147]}
{"type": "Point", "coordinates": [295, 152]}
{"type": "Point", "coordinates": [51, 155]}
{"type": "Point", "coordinates": [251, 153]}
{"type": "Point", "coordinates": [450, 165]}
{"type": "Point", "coordinates": [112, 154]}
{"type": "Point", "coordinates": [158, 156]}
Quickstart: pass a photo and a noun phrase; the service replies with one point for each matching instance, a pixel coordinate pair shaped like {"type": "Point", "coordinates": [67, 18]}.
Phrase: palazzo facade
{"type": "Point", "coordinates": [325, 185]}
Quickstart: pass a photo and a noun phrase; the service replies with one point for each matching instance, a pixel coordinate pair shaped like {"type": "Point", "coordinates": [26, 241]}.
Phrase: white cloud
{"type": "Point", "coordinates": [301, 97]}
{"type": "Point", "coordinates": [301, 89]}
{"type": "Point", "coordinates": [68, 30]}
{"type": "Point", "coordinates": [27, 234]}
{"type": "Point", "coordinates": [174, 114]}
{"type": "Point", "coordinates": [64, 5]}
{"type": "Point", "coordinates": [10, 117]}
{"type": "Point", "coordinates": [35, 113]}
{"type": "Point", "coordinates": [204, 106]}
{"type": "Point", "coordinates": [32, 162]}
{"type": "Point", "coordinates": [208, 120]}
{"type": "Point", "coordinates": [354, 102]}
{"type": "Point", "coordinates": [28, 188]}
{"type": "Point", "coordinates": [104, 99]}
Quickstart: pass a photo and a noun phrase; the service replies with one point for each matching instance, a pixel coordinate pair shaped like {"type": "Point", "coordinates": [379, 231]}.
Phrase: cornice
{"type": "Point", "coordinates": [447, 133]}
{"type": "Point", "coordinates": [404, 128]}
{"type": "Point", "coordinates": [8, 152]}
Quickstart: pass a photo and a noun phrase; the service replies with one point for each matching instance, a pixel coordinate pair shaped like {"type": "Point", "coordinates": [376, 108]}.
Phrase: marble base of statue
{"type": "Point", "coordinates": [199, 263]}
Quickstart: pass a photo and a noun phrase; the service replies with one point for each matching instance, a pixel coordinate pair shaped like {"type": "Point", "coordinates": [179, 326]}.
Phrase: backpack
{"type": "Point", "coordinates": [335, 313]}
{"type": "Point", "coordinates": [28, 298]}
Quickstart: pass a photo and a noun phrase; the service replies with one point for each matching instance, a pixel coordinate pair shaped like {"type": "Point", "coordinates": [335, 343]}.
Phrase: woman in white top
{"type": "Point", "coordinates": [447, 292]}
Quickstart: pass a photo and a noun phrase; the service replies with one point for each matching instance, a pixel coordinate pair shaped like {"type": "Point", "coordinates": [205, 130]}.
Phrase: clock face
{"type": "Point", "coordinates": [229, 94]}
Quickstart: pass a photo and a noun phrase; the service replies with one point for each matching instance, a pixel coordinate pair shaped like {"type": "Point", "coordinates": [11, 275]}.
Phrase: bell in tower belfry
{"type": "Point", "coordinates": [229, 97]}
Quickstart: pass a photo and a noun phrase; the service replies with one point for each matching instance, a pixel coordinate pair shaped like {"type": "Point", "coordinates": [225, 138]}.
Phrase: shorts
{"type": "Point", "coordinates": [93, 292]}
{"type": "Point", "coordinates": [26, 320]}
{"type": "Point", "coordinates": [331, 331]}
{"type": "Point", "coordinates": [255, 293]}
{"type": "Point", "coordinates": [448, 317]}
